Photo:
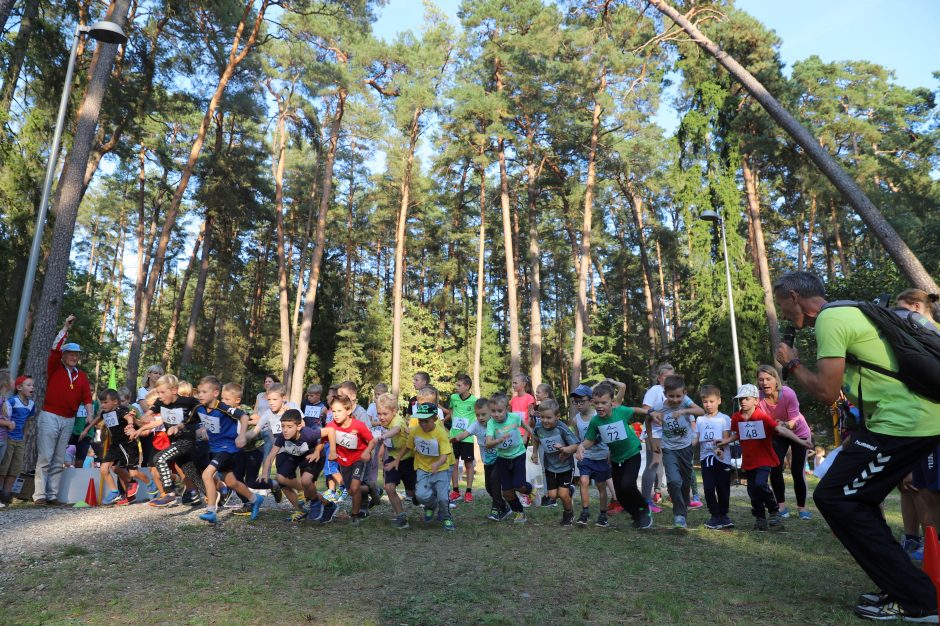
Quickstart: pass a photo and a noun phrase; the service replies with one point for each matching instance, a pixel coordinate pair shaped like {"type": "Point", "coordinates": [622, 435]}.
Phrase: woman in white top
{"type": "Point", "coordinates": [261, 401]}
{"type": "Point", "coordinates": [151, 376]}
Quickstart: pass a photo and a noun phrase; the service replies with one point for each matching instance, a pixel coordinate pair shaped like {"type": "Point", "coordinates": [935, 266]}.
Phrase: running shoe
{"type": "Point", "coordinates": [874, 598]}
{"type": "Point", "coordinates": [652, 507]}
{"type": "Point", "coordinates": [892, 611]}
{"type": "Point", "coordinates": [525, 500]}
{"type": "Point", "coordinates": [679, 522]}
{"type": "Point", "coordinates": [256, 506]}
{"type": "Point", "coordinates": [519, 518]}
{"type": "Point", "coordinates": [342, 495]}
{"type": "Point", "coordinates": [806, 515]}
{"type": "Point", "coordinates": [132, 489]}
{"type": "Point", "coordinates": [315, 511]}
{"type": "Point", "coordinates": [506, 513]}
{"type": "Point", "coordinates": [713, 523]}
{"type": "Point", "coordinates": [245, 511]}
{"type": "Point", "coordinates": [614, 508]}
{"type": "Point", "coordinates": [152, 489]}
{"type": "Point", "coordinates": [330, 495]}
{"type": "Point", "coordinates": [494, 514]}
{"type": "Point", "coordinates": [760, 523]}
{"type": "Point", "coordinates": [113, 496]}
{"type": "Point", "coordinates": [726, 522]}
{"type": "Point", "coordinates": [545, 501]}
{"type": "Point", "coordinates": [375, 497]}
{"type": "Point", "coordinates": [602, 520]}
{"type": "Point", "coordinates": [298, 516]}
{"type": "Point", "coordinates": [329, 511]}
{"type": "Point", "coordinates": [122, 502]}
{"type": "Point", "coordinates": [233, 501]}
{"type": "Point", "coordinates": [468, 497]}
{"type": "Point", "coordinates": [167, 500]}
{"type": "Point", "coordinates": [584, 517]}
{"type": "Point", "coordinates": [454, 495]}
{"type": "Point", "coordinates": [566, 518]}
{"type": "Point", "coordinates": [277, 492]}
{"type": "Point", "coordinates": [400, 522]}
{"type": "Point", "coordinates": [775, 522]}
{"type": "Point", "coordinates": [191, 497]}
{"type": "Point", "coordinates": [428, 515]}
{"type": "Point", "coordinates": [784, 513]}
{"type": "Point", "coordinates": [448, 524]}
{"type": "Point", "coordinates": [643, 522]}
{"type": "Point", "coordinates": [209, 516]}
{"type": "Point", "coordinates": [695, 503]}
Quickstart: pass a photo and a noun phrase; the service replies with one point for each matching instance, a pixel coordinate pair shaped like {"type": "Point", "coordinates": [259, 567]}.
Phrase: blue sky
{"type": "Point", "coordinates": [900, 36]}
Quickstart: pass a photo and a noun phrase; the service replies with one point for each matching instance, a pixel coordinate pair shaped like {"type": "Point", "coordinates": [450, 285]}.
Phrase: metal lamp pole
{"type": "Point", "coordinates": [107, 32]}
{"type": "Point", "coordinates": [712, 216]}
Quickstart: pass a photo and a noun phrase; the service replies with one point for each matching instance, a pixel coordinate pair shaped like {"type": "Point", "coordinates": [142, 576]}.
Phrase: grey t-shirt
{"type": "Point", "coordinates": [597, 452]}
{"type": "Point", "coordinates": [677, 431]}
{"type": "Point", "coordinates": [550, 441]}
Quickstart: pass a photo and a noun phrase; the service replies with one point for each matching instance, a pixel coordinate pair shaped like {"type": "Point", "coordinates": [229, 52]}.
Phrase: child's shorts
{"type": "Point", "coordinates": [12, 462]}
{"type": "Point", "coordinates": [511, 472]}
{"type": "Point", "coordinates": [356, 471]}
{"type": "Point", "coordinates": [288, 464]}
{"type": "Point", "coordinates": [404, 474]}
{"type": "Point", "coordinates": [464, 450]}
{"type": "Point", "coordinates": [124, 454]}
{"type": "Point", "coordinates": [557, 480]}
{"type": "Point", "coordinates": [596, 470]}
{"type": "Point", "coordinates": [225, 461]}
{"type": "Point", "coordinates": [329, 467]}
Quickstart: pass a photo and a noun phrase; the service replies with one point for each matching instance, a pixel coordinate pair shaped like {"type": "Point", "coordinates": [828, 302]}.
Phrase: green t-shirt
{"type": "Point", "coordinates": [512, 447]}
{"type": "Point", "coordinates": [616, 432]}
{"type": "Point", "coordinates": [463, 414]}
{"type": "Point", "coordinates": [890, 407]}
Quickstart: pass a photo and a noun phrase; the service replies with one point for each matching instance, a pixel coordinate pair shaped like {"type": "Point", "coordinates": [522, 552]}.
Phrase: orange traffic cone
{"type": "Point", "coordinates": [932, 557]}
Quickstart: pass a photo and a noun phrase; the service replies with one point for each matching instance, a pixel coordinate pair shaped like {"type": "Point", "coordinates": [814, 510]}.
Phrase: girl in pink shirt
{"type": "Point", "coordinates": [780, 402]}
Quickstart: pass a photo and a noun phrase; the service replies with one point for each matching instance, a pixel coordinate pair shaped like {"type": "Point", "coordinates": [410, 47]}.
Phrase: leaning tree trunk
{"type": "Point", "coordinates": [400, 234]}
{"type": "Point", "coordinates": [306, 323]}
{"type": "Point", "coordinates": [17, 56]}
{"type": "Point", "coordinates": [5, 7]}
{"type": "Point", "coordinates": [581, 321]}
{"type": "Point", "coordinates": [196, 308]}
{"type": "Point", "coordinates": [899, 251]}
{"type": "Point", "coordinates": [481, 282]}
{"type": "Point", "coordinates": [235, 57]}
{"type": "Point", "coordinates": [46, 314]}
{"type": "Point", "coordinates": [760, 252]}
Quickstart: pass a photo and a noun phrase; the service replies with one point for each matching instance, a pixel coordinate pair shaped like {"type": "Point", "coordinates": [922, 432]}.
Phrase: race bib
{"type": "Point", "coordinates": [389, 444]}
{"type": "Point", "coordinates": [313, 411]}
{"type": "Point", "coordinates": [551, 444]}
{"type": "Point", "coordinates": [110, 419]}
{"type": "Point", "coordinates": [350, 441]}
{"type": "Point", "coordinates": [514, 439]}
{"type": "Point", "coordinates": [461, 423]}
{"type": "Point", "coordinates": [613, 432]}
{"type": "Point", "coordinates": [427, 447]}
{"type": "Point", "coordinates": [710, 433]}
{"type": "Point", "coordinates": [291, 448]}
{"type": "Point", "coordinates": [275, 425]}
{"type": "Point", "coordinates": [377, 432]}
{"type": "Point", "coordinates": [751, 430]}
{"type": "Point", "coordinates": [210, 423]}
{"type": "Point", "coordinates": [171, 417]}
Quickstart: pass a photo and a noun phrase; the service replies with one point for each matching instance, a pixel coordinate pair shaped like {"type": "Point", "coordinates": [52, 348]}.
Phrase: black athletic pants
{"type": "Point", "coordinates": [179, 452]}
{"type": "Point", "coordinates": [716, 483]}
{"type": "Point", "coordinates": [491, 480]}
{"type": "Point", "coordinates": [797, 461]}
{"type": "Point", "coordinates": [760, 493]}
{"type": "Point", "coordinates": [247, 466]}
{"type": "Point", "coordinates": [628, 495]}
{"type": "Point", "coordinates": [869, 467]}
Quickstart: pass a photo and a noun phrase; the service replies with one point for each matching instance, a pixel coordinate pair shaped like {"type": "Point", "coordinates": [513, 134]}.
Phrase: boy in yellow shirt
{"type": "Point", "coordinates": [433, 457]}
{"type": "Point", "coordinates": [398, 461]}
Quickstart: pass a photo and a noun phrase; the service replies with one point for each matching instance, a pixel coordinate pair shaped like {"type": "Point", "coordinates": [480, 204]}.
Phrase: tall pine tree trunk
{"type": "Point", "coordinates": [303, 339]}
{"type": "Point", "coordinates": [481, 282]}
{"type": "Point", "coordinates": [236, 55]}
{"type": "Point", "coordinates": [280, 160]}
{"type": "Point", "coordinates": [760, 251]}
{"type": "Point", "coordinates": [14, 63]}
{"type": "Point", "coordinates": [400, 234]}
{"type": "Point", "coordinates": [535, 267]}
{"type": "Point", "coordinates": [180, 297]}
{"type": "Point", "coordinates": [198, 295]}
{"type": "Point", "coordinates": [896, 247]}
{"type": "Point", "coordinates": [581, 320]}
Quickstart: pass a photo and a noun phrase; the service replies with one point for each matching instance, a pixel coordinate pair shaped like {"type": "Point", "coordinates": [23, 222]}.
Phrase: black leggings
{"type": "Point", "coordinates": [491, 480]}
{"type": "Point", "coordinates": [629, 497]}
{"type": "Point", "coordinates": [179, 452]}
{"type": "Point", "coordinates": [798, 454]}
{"type": "Point", "coordinates": [246, 469]}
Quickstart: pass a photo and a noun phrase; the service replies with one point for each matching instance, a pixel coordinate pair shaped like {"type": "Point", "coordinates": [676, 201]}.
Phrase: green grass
{"type": "Point", "coordinates": [270, 571]}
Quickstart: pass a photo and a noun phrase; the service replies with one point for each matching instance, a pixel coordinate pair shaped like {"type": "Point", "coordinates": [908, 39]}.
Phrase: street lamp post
{"type": "Point", "coordinates": [105, 32]}
{"type": "Point", "coordinates": [714, 217]}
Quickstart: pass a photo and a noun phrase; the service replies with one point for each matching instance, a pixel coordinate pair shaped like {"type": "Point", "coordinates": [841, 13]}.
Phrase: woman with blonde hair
{"type": "Point", "coordinates": [780, 402]}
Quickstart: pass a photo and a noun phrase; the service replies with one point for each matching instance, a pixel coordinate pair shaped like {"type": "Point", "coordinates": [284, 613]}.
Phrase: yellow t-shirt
{"type": "Point", "coordinates": [890, 407]}
{"type": "Point", "coordinates": [397, 446]}
{"type": "Point", "coordinates": [428, 447]}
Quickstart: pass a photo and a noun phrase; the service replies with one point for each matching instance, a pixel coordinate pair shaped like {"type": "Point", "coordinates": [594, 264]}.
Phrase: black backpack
{"type": "Point", "coordinates": [914, 340]}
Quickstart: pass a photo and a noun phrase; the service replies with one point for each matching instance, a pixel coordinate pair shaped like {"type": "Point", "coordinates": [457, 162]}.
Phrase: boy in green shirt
{"type": "Point", "coordinates": [611, 425]}
{"type": "Point", "coordinates": [503, 434]}
{"type": "Point", "coordinates": [462, 415]}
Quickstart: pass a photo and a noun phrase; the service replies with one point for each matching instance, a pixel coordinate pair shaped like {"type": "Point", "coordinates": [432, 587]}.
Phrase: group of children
{"type": "Point", "coordinates": [201, 438]}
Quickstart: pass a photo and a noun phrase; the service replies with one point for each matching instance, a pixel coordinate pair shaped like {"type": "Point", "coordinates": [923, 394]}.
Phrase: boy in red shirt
{"type": "Point", "coordinates": [354, 446]}
{"type": "Point", "coordinates": [755, 430]}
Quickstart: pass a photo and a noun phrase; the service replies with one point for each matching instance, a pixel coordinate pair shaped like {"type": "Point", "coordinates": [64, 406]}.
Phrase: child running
{"type": "Point", "coordinates": [123, 455]}
{"type": "Point", "coordinates": [224, 426]}
{"type": "Point", "coordinates": [461, 414]}
{"type": "Point", "coordinates": [433, 457]}
{"type": "Point", "coordinates": [756, 431]}
{"type": "Point", "coordinates": [354, 446]}
{"type": "Point", "coordinates": [399, 464]}
{"type": "Point", "coordinates": [503, 433]}
{"type": "Point", "coordinates": [499, 510]}
{"type": "Point", "coordinates": [711, 428]}
{"type": "Point", "coordinates": [299, 447]}
{"type": "Point", "coordinates": [593, 461]}
{"type": "Point", "coordinates": [611, 425]}
{"type": "Point", "coordinates": [675, 416]}
{"type": "Point", "coordinates": [558, 444]}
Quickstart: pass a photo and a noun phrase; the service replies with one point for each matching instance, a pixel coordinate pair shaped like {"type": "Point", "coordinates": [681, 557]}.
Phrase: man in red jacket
{"type": "Point", "coordinates": [67, 389]}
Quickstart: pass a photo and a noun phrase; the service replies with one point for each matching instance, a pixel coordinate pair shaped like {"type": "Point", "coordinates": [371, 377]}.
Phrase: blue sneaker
{"type": "Point", "coordinates": [152, 490]}
{"type": "Point", "coordinates": [316, 510]}
{"type": "Point", "coordinates": [428, 515]}
{"type": "Point", "coordinates": [784, 513]}
{"type": "Point", "coordinates": [256, 507]}
{"type": "Point", "coordinates": [210, 517]}
{"type": "Point", "coordinates": [806, 515]}
{"type": "Point", "coordinates": [113, 496]}
{"type": "Point", "coordinates": [918, 554]}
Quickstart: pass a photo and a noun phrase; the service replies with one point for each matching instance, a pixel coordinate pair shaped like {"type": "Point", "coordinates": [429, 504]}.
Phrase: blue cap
{"type": "Point", "coordinates": [71, 347]}
{"type": "Point", "coordinates": [582, 391]}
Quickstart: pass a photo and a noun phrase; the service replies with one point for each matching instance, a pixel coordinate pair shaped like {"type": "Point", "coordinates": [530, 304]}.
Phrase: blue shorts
{"type": "Point", "coordinates": [927, 472]}
{"type": "Point", "coordinates": [329, 467]}
{"type": "Point", "coordinates": [596, 470]}
{"type": "Point", "coordinates": [511, 473]}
